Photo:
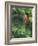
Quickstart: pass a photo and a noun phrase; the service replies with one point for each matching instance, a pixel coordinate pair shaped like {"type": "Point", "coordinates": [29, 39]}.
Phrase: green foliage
{"type": "Point", "coordinates": [21, 31]}
{"type": "Point", "coordinates": [18, 29]}
{"type": "Point", "coordinates": [22, 11]}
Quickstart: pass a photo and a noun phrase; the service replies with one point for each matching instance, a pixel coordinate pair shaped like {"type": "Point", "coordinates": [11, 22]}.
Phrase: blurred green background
{"type": "Point", "coordinates": [18, 29]}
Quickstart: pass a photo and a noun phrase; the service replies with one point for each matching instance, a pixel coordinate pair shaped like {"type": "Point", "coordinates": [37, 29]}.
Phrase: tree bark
{"type": "Point", "coordinates": [26, 19]}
